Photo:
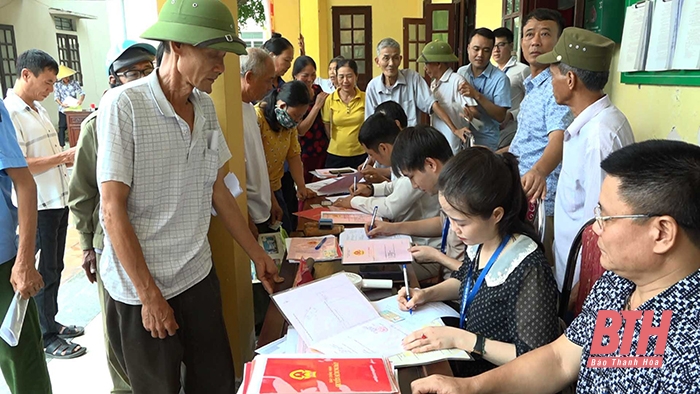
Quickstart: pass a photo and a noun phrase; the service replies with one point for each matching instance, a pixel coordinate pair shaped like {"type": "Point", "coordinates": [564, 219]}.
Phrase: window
{"type": "Point", "coordinates": [66, 24]}
{"type": "Point", "coordinates": [253, 39]}
{"type": "Point", "coordinates": [69, 54]}
{"type": "Point", "coordinates": [414, 39]}
{"type": "Point", "coordinates": [512, 17]}
{"type": "Point", "coordinates": [352, 39]}
{"type": "Point", "coordinates": [8, 58]}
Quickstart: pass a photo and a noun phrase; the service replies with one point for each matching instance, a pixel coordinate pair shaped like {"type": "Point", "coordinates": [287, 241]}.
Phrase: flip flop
{"type": "Point", "coordinates": [62, 349]}
{"type": "Point", "coordinates": [67, 332]}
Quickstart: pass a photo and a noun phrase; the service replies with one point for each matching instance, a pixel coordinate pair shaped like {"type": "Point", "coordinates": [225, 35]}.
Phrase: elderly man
{"type": "Point", "coordinates": [538, 142]}
{"type": "Point", "coordinates": [406, 87]}
{"type": "Point", "coordinates": [516, 73]}
{"type": "Point", "coordinates": [648, 223]}
{"type": "Point", "coordinates": [161, 165]}
{"type": "Point", "coordinates": [580, 66]}
{"type": "Point", "coordinates": [126, 62]}
{"type": "Point", "coordinates": [47, 162]}
{"type": "Point", "coordinates": [488, 86]}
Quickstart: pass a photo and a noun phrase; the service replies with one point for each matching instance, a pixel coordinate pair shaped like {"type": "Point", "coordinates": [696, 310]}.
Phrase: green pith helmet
{"type": "Point", "coordinates": [202, 23]}
{"type": "Point", "coordinates": [437, 52]}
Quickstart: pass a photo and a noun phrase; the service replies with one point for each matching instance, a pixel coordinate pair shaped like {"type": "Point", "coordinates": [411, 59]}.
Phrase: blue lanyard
{"type": "Point", "coordinates": [470, 293]}
{"type": "Point", "coordinates": [445, 230]}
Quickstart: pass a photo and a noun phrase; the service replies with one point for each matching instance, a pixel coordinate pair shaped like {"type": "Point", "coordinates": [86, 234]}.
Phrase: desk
{"type": "Point", "coordinates": [275, 326]}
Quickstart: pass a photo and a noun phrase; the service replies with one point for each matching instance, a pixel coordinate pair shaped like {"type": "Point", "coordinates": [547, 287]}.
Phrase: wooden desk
{"type": "Point", "coordinates": [275, 326]}
{"type": "Point", "coordinates": [73, 120]}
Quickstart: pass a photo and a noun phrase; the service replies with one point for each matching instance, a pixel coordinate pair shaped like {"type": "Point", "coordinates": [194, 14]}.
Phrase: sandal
{"type": "Point", "coordinates": [62, 349]}
{"type": "Point", "coordinates": [67, 332]}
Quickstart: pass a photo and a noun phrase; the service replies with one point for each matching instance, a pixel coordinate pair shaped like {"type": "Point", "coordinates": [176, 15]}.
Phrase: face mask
{"type": "Point", "coordinates": [284, 119]}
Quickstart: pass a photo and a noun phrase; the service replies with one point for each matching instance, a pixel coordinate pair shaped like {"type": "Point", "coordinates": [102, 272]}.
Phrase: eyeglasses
{"type": "Point", "coordinates": [135, 74]}
{"type": "Point", "coordinates": [502, 45]}
{"type": "Point", "coordinates": [600, 220]}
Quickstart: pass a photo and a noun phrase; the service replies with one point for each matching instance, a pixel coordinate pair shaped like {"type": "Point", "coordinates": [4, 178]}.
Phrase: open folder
{"type": "Point", "coordinates": [333, 317]}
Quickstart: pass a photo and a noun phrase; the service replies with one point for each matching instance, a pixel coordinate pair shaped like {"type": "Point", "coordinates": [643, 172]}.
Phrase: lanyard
{"type": "Point", "coordinates": [470, 293]}
{"type": "Point", "coordinates": [445, 230]}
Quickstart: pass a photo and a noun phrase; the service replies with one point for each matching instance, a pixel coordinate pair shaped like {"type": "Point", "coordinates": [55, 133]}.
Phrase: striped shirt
{"type": "Point", "coordinates": [38, 138]}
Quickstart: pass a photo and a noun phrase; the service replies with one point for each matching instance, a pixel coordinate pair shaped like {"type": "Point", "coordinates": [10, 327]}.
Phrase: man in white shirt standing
{"type": "Point", "coordinates": [580, 66]}
{"type": "Point", "coordinates": [438, 58]}
{"type": "Point", "coordinates": [257, 75]}
{"type": "Point", "coordinates": [47, 161]}
{"type": "Point", "coordinates": [516, 73]}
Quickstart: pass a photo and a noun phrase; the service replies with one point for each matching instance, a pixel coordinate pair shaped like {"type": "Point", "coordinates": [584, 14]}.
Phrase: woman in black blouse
{"type": "Point", "coordinates": [514, 308]}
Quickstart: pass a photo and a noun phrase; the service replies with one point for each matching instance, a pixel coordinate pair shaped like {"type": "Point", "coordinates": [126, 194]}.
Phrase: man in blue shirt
{"type": "Point", "coordinates": [486, 84]}
{"type": "Point", "coordinates": [539, 139]}
{"type": "Point", "coordinates": [23, 366]}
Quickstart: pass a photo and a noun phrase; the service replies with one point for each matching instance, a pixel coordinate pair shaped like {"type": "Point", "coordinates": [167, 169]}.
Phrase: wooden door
{"type": "Point", "coordinates": [352, 39]}
{"type": "Point", "coordinates": [415, 36]}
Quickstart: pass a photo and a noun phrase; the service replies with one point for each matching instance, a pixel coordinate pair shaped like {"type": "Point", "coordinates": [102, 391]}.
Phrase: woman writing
{"type": "Point", "coordinates": [343, 115]}
{"type": "Point", "coordinates": [278, 115]}
{"type": "Point", "coordinates": [507, 290]}
{"type": "Point", "coordinates": [312, 134]}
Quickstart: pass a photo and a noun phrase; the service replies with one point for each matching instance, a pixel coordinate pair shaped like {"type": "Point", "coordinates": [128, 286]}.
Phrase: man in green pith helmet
{"type": "Point", "coordinates": [161, 168]}
{"type": "Point", "coordinates": [438, 58]}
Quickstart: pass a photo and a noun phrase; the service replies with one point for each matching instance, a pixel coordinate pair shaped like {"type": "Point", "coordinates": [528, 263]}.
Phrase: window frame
{"type": "Point", "coordinates": [7, 76]}
{"type": "Point", "coordinates": [69, 56]}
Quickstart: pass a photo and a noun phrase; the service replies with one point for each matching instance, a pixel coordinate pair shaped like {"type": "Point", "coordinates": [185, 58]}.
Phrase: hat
{"type": "Point", "coordinates": [582, 49]}
{"type": "Point", "coordinates": [64, 72]}
{"type": "Point", "coordinates": [437, 52]}
{"type": "Point", "coordinates": [202, 23]}
{"type": "Point", "coordinates": [127, 53]}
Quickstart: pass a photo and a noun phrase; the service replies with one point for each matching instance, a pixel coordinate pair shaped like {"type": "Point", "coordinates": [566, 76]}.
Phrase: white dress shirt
{"type": "Point", "coordinates": [257, 179]}
{"type": "Point", "coordinates": [38, 138]}
{"type": "Point", "coordinates": [516, 72]}
{"type": "Point", "coordinates": [595, 133]}
{"type": "Point", "coordinates": [446, 92]}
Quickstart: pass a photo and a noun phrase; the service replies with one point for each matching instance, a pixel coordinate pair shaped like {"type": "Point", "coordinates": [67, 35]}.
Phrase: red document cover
{"type": "Point", "coordinates": [326, 375]}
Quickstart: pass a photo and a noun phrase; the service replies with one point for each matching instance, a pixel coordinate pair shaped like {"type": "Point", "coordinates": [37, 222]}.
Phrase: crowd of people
{"type": "Point", "coordinates": [150, 165]}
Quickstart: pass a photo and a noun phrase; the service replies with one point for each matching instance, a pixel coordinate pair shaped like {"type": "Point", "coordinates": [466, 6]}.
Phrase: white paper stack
{"type": "Point", "coordinates": [635, 36]}
{"type": "Point", "coordinates": [687, 48]}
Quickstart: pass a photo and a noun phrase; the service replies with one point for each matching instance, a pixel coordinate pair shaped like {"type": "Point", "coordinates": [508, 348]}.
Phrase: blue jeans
{"type": "Point", "coordinates": [51, 239]}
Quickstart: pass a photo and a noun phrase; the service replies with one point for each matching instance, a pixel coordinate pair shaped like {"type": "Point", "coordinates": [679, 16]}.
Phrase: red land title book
{"type": "Point", "coordinates": [322, 375]}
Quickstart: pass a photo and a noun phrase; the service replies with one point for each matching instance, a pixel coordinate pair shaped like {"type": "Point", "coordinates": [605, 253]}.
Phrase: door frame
{"type": "Point", "coordinates": [336, 11]}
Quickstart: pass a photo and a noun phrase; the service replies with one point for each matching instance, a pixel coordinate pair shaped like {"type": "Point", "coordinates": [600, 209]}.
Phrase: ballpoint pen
{"type": "Point", "coordinates": [354, 184]}
{"type": "Point", "coordinates": [408, 293]}
{"type": "Point", "coordinates": [320, 243]}
{"type": "Point", "coordinates": [365, 164]}
{"type": "Point", "coordinates": [374, 217]}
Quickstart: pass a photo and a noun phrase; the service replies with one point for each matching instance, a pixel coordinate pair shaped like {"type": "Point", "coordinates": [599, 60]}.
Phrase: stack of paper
{"type": "Point", "coordinates": [687, 48]}
{"type": "Point", "coordinates": [635, 36]}
{"type": "Point", "coordinates": [348, 217]}
{"type": "Point", "coordinates": [662, 41]}
{"type": "Point", "coordinates": [333, 317]}
{"type": "Point", "coordinates": [325, 173]}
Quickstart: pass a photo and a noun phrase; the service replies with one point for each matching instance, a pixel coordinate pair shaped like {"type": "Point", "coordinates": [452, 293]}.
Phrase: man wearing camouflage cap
{"type": "Point", "coordinates": [580, 66]}
{"type": "Point", "coordinates": [161, 168]}
{"type": "Point", "coordinates": [438, 58]}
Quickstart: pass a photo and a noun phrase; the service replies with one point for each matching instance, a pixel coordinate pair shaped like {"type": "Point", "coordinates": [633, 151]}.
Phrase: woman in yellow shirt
{"type": "Point", "coordinates": [343, 114]}
{"type": "Point", "coordinates": [279, 113]}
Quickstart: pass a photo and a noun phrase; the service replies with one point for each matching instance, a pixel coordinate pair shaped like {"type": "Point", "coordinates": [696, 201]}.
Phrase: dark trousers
{"type": "Point", "coordinates": [51, 239]}
{"type": "Point", "coordinates": [333, 161]}
{"type": "Point", "coordinates": [290, 198]}
{"type": "Point", "coordinates": [286, 218]}
{"type": "Point", "coordinates": [23, 366]}
{"type": "Point", "coordinates": [62, 127]}
{"type": "Point", "coordinates": [201, 343]}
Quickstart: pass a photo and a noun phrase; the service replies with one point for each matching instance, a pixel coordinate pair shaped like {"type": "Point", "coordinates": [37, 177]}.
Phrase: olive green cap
{"type": "Point", "coordinates": [202, 23]}
{"type": "Point", "coordinates": [437, 52]}
{"type": "Point", "coordinates": [582, 49]}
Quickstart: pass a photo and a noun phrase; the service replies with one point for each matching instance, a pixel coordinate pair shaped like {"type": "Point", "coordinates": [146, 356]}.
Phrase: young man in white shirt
{"type": "Point", "coordinates": [438, 57]}
{"type": "Point", "coordinates": [47, 162]}
{"type": "Point", "coordinates": [397, 200]}
{"type": "Point", "coordinates": [516, 73]}
{"type": "Point", "coordinates": [580, 66]}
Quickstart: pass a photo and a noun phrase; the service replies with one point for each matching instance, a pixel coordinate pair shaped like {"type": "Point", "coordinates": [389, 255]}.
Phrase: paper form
{"type": "Point", "coordinates": [687, 53]}
{"type": "Point", "coordinates": [359, 234]}
{"type": "Point", "coordinates": [377, 251]}
{"type": "Point", "coordinates": [348, 217]}
{"type": "Point", "coordinates": [663, 32]}
{"type": "Point", "coordinates": [316, 186]}
{"type": "Point", "coordinates": [635, 37]}
{"type": "Point", "coordinates": [305, 248]}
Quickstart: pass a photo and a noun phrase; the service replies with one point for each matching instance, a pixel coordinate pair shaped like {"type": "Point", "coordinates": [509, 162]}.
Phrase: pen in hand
{"type": "Point", "coordinates": [374, 217]}
{"type": "Point", "coordinates": [408, 293]}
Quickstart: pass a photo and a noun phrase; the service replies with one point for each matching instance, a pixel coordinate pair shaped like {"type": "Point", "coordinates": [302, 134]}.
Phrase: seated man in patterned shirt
{"type": "Point", "coordinates": [648, 221]}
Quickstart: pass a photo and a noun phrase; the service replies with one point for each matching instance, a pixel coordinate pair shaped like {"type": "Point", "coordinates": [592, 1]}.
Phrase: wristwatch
{"type": "Point", "coordinates": [479, 345]}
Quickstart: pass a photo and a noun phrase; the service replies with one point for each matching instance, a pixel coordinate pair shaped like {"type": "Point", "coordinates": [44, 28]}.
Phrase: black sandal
{"type": "Point", "coordinates": [62, 349]}
{"type": "Point", "coordinates": [67, 332]}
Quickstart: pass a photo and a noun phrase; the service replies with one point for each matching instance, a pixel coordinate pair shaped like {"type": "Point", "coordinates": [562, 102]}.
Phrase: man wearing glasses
{"type": "Point", "coordinates": [126, 62]}
{"type": "Point", "coordinates": [649, 239]}
{"type": "Point", "coordinates": [580, 64]}
{"type": "Point", "coordinates": [517, 72]}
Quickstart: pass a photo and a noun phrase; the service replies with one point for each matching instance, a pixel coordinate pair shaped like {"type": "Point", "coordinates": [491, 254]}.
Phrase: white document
{"type": "Point", "coordinates": [316, 186]}
{"type": "Point", "coordinates": [687, 52]}
{"type": "Point", "coordinates": [359, 234]}
{"type": "Point", "coordinates": [664, 27]}
{"type": "Point", "coordinates": [234, 186]}
{"type": "Point", "coordinates": [11, 327]}
{"type": "Point", "coordinates": [635, 37]}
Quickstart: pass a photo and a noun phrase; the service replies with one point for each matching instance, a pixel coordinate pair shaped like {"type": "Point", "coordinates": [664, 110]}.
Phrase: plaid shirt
{"type": "Point", "coordinates": [61, 91]}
